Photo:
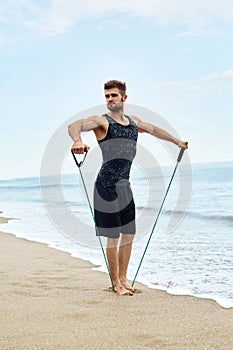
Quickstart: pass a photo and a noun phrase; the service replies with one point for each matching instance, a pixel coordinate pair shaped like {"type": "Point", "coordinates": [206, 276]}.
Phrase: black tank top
{"type": "Point", "coordinates": [118, 151]}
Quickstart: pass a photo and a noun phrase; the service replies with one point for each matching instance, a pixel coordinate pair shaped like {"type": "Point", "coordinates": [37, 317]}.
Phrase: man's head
{"type": "Point", "coordinates": [115, 94]}
{"type": "Point", "coordinates": [111, 84]}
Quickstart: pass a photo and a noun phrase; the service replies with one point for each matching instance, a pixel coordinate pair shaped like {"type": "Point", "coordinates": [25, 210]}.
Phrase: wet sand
{"type": "Point", "coordinates": [50, 300]}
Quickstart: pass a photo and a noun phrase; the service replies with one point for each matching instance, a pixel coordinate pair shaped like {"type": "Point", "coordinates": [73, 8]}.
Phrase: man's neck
{"type": "Point", "coordinates": [119, 115]}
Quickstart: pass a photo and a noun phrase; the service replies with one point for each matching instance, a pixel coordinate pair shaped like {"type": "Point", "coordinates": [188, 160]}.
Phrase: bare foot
{"type": "Point", "coordinates": [127, 286]}
{"type": "Point", "coordinates": [120, 290]}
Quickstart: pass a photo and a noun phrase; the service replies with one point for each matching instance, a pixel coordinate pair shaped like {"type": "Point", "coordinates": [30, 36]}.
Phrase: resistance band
{"type": "Point", "coordinates": [79, 164]}
{"type": "Point", "coordinates": [159, 212]}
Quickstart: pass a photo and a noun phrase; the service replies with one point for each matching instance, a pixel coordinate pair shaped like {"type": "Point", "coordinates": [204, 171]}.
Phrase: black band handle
{"type": "Point", "coordinates": [79, 164]}
{"type": "Point", "coordinates": [180, 154]}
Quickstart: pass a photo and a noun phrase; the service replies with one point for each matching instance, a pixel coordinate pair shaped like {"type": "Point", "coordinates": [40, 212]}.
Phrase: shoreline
{"type": "Point", "coordinates": [221, 301]}
{"type": "Point", "coordinates": [50, 299]}
{"type": "Point", "coordinates": [4, 220]}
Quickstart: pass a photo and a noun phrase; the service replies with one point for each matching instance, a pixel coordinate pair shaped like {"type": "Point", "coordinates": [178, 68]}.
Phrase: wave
{"type": "Point", "coordinates": [36, 187]}
{"type": "Point", "coordinates": [203, 216]}
{"type": "Point", "coordinates": [195, 215]}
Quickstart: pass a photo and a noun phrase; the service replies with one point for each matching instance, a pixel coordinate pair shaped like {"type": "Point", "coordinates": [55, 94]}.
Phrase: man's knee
{"type": "Point", "coordinates": [112, 242]}
{"type": "Point", "coordinates": [127, 238]}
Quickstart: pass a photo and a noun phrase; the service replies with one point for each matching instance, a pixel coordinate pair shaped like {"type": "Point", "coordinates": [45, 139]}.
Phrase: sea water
{"type": "Point", "coordinates": [190, 250]}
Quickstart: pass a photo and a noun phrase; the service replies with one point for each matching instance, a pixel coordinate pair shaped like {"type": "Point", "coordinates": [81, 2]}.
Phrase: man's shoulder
{"type": "Point", "coordinates": [98, 119]}
{"type": "Point", "coordinates": [134, 118]}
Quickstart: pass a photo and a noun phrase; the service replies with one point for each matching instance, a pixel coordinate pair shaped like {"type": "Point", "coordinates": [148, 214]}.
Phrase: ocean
{"type": "Point", "coordinates": [191, 249]}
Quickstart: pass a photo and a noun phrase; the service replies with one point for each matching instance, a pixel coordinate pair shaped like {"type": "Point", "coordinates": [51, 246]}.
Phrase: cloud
{"type": "Point", "coordinates": [215, 78]}
{"type": "Point", "coordinates": [182, 35]}
{"type": "Point", "coordinates": [213, 92]}
{"type": "Point", "coordinates": [60, 16]}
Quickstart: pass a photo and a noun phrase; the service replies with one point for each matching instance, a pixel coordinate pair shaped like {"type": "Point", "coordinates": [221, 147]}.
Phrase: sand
{"type": "Point", "coordinates": [50, 300]}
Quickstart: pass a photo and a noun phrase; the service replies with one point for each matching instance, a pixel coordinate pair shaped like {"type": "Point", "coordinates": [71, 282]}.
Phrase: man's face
{"type": "Point", "coordinates": [114, 99]}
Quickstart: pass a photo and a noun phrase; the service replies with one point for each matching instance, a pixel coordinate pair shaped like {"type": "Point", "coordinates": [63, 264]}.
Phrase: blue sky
{"type": "Point", "coordinates": [176, 57]}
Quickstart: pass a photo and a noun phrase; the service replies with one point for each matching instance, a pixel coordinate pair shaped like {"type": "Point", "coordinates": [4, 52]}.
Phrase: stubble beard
{"type": "Point", "coordinates": [116, 107]}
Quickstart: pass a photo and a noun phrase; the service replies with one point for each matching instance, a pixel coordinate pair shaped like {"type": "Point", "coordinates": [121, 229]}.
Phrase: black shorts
{"type": "Point", "coordinates": [114, 209]}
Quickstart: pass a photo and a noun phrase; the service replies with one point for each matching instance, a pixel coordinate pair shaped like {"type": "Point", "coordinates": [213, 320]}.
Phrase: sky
{"type": "Point", "coordinates": [176, 57]}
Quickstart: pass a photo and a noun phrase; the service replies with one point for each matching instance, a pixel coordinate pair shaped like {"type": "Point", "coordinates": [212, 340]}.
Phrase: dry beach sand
{"type": "Point", "coordinates": [50, 300]}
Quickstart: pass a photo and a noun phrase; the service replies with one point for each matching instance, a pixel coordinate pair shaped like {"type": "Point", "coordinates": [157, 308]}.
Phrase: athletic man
{"type": "Point", "coordinates": [114, 206]}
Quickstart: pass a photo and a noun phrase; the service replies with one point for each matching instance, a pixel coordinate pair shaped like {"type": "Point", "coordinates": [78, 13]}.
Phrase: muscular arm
{"type": "Point", "coordinates": [75, 129]}
{"type": "Point", "coordinates": [158, 132]}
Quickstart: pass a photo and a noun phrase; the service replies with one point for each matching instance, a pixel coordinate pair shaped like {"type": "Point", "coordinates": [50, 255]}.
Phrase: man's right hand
{"type": "Point", "coordinates": [79, 147]}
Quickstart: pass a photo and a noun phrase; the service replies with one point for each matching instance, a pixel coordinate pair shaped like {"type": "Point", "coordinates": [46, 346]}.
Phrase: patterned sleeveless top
{"type": "Point", "coordinates": [118, 151]}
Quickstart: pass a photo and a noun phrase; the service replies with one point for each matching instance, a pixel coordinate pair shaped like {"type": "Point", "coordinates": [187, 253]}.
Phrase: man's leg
{"type": "Point", "coordinates": [124, 254]}
{"type": "Point", "coordinates": [113, 262]}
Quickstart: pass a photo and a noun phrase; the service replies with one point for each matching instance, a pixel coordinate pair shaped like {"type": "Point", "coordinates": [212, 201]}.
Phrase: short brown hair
{"type": "Point", "coordinates": [111, 84]}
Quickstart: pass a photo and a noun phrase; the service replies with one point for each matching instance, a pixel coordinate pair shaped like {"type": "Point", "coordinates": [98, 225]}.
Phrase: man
{"type": "Point", "coordinates": [114, 206]}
